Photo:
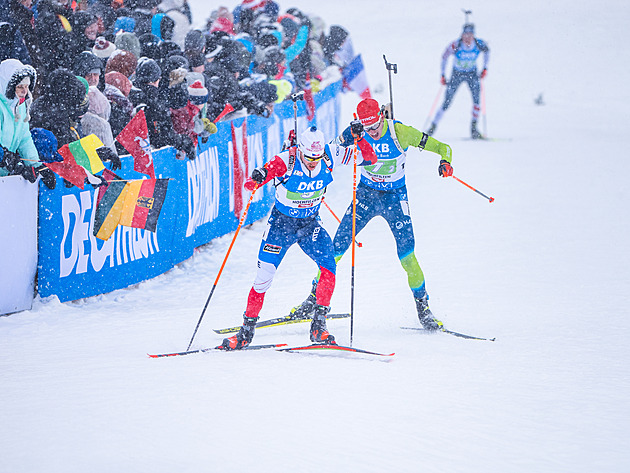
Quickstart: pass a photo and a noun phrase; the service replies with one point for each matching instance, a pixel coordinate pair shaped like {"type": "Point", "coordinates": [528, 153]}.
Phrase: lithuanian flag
{"type": "Point", "coordinates": [130, 203]}
{"type": "Point", "coordinates": [84, 152]}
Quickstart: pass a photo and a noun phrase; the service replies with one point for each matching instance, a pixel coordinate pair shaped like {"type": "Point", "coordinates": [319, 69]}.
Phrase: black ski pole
{"type": "Point", "coordinates": [295, 97]}
{"type": "Point", "coordinates": [391, 67]}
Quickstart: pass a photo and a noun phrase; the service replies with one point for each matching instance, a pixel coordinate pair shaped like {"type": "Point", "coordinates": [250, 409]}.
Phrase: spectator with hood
{"type": "Point", "coordinates": [60, 106]}
{"type": "Point", "coordinates": [176, 10]}
{"type": "Point", "coordinates": [19, 155]}
{"type": "Point", "coordinates": [157, 112]}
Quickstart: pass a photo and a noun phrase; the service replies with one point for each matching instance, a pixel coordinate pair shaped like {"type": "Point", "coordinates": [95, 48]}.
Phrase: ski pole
{"type": "Point", "coordinates": [483, 108]}
{"type": "Point", "coordinates": [435, 102]}
{"type": "Point", "coordinates": [354, 233]}
{"type": "Point", "coordinates": [390, 67]}
{"type": "Point", "coordinates": [490, 199]}
{"type": "Point", "coordinates": [216, 281]}
{"type": "Point", "coordinates": [359, 244]}
{"type": "Point", "coordinates": [295, 97]}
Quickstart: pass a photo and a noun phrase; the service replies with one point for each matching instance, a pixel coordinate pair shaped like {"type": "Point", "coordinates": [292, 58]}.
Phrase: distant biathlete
{"type": "Point", "coordinates": [465, 50]}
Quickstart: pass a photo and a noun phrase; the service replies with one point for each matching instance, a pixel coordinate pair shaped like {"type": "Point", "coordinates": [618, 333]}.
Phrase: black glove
{"type": "Point", "coordinates": [107, 154]}
{"type": "Point", "coordinates": [259, 175]}
{"type": "Point", "coordinates": [28, 173]}
{"type": "Point", "coordinates": [48, 177]}
{"type": "Point", "coordinates": [357, 128]}
{"type": "Point", "coordinates": [9, 160]}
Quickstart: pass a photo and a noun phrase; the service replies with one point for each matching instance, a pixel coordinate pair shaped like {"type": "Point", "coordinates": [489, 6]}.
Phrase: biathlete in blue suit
{"type": "Point", "coordinates": [465, 50]}
{"type": "Point", "coordinates": [301, 175]}
{"type": "Point", "coordinates": [382, 192]}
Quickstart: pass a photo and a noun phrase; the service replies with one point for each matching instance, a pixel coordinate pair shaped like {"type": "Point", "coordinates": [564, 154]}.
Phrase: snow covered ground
{"type": "Point", "coordinates": [544, 269]}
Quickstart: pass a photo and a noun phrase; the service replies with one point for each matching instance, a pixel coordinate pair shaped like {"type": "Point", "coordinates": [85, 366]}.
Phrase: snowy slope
{"type": "Point", "coordinates": [544, 269]}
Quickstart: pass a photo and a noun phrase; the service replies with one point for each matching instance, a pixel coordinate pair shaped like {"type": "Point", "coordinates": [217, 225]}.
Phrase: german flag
{"type": "Point", "coordinates": [143, 203]}
{"type": "Point", "coordinates": [130, 203]}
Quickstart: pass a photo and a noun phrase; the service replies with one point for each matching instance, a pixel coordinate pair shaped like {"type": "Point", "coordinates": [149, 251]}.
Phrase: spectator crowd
{"type": "Point", "coordinates": [72, 68]}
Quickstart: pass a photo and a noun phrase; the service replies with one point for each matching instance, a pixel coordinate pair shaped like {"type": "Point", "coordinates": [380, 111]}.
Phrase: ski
{"type": "Point", "coordinates": [218, 348]}
{"type": "Point", "coordinates": [316, 347]}
{"type": "Point", "coordinates": [286, 320]}
{"type": "Point", "coordinates": [451, 332]}
{"type": "Point", "coordinates": [487, 139]}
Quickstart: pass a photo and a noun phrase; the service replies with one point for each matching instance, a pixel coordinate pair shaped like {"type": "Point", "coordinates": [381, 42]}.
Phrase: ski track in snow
{"type": "Point", "coordinates": [544, 269]}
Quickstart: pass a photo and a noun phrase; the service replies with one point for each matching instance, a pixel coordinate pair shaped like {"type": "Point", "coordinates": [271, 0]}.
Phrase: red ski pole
{"type": "Point", "coordinates": [490, 199]}
{"type": "Point", "coordinates": [216, 281]}
{"type": "Point", "coordinates": [359, 244]}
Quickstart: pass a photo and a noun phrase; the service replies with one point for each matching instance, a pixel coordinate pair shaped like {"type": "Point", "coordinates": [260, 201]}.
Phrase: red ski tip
{"type": "Point", "coordinates": [491, 199]}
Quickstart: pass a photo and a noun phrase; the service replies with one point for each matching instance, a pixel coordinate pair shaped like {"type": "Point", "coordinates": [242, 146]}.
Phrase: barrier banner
{"type": "Point", "coordinates": [18, 243]}
{"type": "Point", "coordinates": [203, 201]}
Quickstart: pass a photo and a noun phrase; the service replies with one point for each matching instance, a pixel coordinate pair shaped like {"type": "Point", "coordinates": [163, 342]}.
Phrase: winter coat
{"type": "Point", "coordinates": [52, 27]}
{"type": "Point", "coordinates": [15, 134]}
{"type": "Point", "coordinates": [22, 18]}
{"type": "Point", "coordinates": [121, 108]}
{"type": "Point", "coordinates": [158, 115]}
{"type": "Point", "coordinates": [12, 45]}
{"type": "Point", "coordinates": [59, 106]}
{"type": "Point", "coordinates": [96, 120]}
{"type": "Point", "coordinates": [175, 10]}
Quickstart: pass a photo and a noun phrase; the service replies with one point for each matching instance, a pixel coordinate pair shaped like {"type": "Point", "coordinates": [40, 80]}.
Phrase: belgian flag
{"type": "Point", "coordinates": [134, 204]}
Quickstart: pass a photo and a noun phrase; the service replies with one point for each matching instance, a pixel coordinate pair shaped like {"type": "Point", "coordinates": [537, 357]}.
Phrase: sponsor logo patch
{"type": "Point", "coordinates": [275, 249]}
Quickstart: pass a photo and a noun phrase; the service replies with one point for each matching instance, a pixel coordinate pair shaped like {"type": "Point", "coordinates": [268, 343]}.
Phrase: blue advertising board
{"type": "Point", "coordinates": [205, 199]}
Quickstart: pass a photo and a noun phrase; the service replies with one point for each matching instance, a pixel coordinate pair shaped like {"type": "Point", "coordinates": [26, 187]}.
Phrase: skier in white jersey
{"type": "Point", "coordinates": [301, 175]}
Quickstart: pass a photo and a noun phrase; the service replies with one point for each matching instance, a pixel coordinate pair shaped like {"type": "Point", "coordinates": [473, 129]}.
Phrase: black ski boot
{"type": "Point", "coordinates": [243, 337]}
{"type": "Point", "coordinates": [305, 309]}
{"type": "Point", "coordinates": [319, 332]}
{"type": "Point", "coordinates": [431, 129]}
{"type": "Point", "coordinates": [474, 132]}
{"type": "Point", "coordinates": [426, 316]}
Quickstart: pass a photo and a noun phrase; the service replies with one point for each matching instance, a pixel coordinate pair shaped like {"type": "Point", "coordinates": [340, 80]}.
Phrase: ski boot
{"type": "Point", "coordinates": [243, 337]}
{"type": "Point", "coordinates": [305, 309]}
{"type": "Point", "coordinates": [431, 129]}
{"type": "Point", "coordinates": [319, 332]}
{"type": "Point", "coordinates": [426, 316]}
{"type": "Point", "coordinates": [474, 132]}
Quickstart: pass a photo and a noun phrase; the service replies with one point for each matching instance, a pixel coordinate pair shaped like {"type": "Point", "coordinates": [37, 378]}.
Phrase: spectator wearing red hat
{"type": "Point", "coordinates": [382, 191]}
{"type": "Point", "coordinates": [191, 120]}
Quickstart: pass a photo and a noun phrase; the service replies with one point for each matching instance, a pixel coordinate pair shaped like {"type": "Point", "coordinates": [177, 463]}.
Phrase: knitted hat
{"type": "Point", "coordinates": [123, 62]}
{"type": "Point", "coordinates": [197, 93]}
{"type": "Point", "coordinates": [222, 24]}
{"type": "Point", "coordinates": [254, 4]}
{"type": "Point", "coordinates": [128, 42]}
{"type": "Point", "coordinates": [148, 71]}
{"type": "Point", "coordinates": [120, 81]}
{"type": "Point", "coordinates": [46, 144]}
{"type": "Point", "coordinates": [368, 111]}
{"type": "Point", "coordinates": [124, 23]}
{"type": "Point", "coordinates": [103, 48]}
{"type": "Point", "coordinates": [469, 28]}
{"type": "Point", "coordinates": [194, 41]}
